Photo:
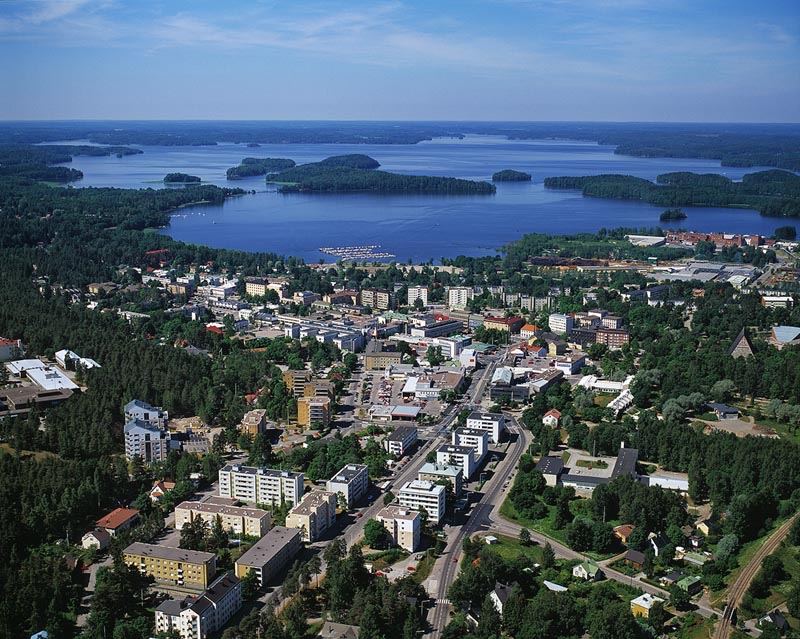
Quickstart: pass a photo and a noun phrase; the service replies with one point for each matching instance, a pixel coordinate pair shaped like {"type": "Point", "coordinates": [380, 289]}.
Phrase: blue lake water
{"type": "Point", "coordinates": [413, 227]}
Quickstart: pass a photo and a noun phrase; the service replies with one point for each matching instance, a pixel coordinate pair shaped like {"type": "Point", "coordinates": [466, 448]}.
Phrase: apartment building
{"type": "Point", "coordinates": [377, 298]}
{"type": "Point", "coordinates": [560, 323]}
{"type": "Point", "coordinates": [254, 422]}
{"type": "Point", "coordinates": [475, 438]}
{"type": "Point", "coordinates": [417, 293]}
{"type": "Point", "coordinates": [197, 618]}
{"type": "Point", "coordinates": [319, 388]}
{"type": "Point", "coordinates": [492, 423]}
{"type": "Point", "coordinates": [612, 321]}
{"type": "Point", "coordinates": [260, 485]}
{"type": "Point", "coordinates": [137, 409]}
{"type": "Point", "coordinates": [252, 522]}
{"type": "Point", "coordinates": [315, 514]}
{"type": "Point", "coordinates": [505, 324]}
{"type": "Point", "coordinates": [403, 525]}
{"type": "Point", "coordinates": [400, 440]}
{"type": "Point", "coordinates": [145, 440]}
{"type": "Point", "coordinates": [313, 410]}
{"type": "Point", "coordinates": [380, 355]}
{"type": "Point", "coordinates": [256, 286]}
{"type": "Point", "coordinates": [176, 566]}
{"type": "Point", "coordinates": [613, 338]}
{"type": "Point", "coordinates": [296, 381]}
{"type": "Point", "coordinates": [424, 494]}
{"type": "Point", "coordinates": [461, 456]}
{"type": "Point", "coordinates": [438, 472]}
{"type": "Point", "coordinates": [459, 296]}
{"type": "Point", "coordinates": [352, 481]}
{"type": "Point", "coordinates": [269, 554]}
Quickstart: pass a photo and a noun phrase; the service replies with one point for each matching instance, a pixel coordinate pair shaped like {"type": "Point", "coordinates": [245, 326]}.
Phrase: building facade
{"type": "Point", "coordinates": [419, 494]}
{"type": "Point", "coordinates": [438, 472]}
{"type": "Point", "coordinates": [315, 514]}
{"type": "Point", "coordinates": [176, 566]}
{"type": "Point", "coordinates": [560, 323]}
{"type": "Point", "coordinates": [269, 554]}
{"type": "Point", "coordinates": [417, 293]}
{"type": "Point", "coordinates": [400, 440]}
{"type": "Point", "coordinates": [252, 522]}
{"type": "Point", "coordinates": [492, 423]}
{"type": "Point", "coordinates": [475, 438]}
{"type": "Point", "coordinates": [313, 411]}
{"type": "Point", "coordinates": [403, 525]}
{"type": "Point", "coordinates": [462, 456]}
{"type": "Point", "coordinates": [260, 485]}
{"type": "Point", "coordinates": [200, 617]}
{"type": "Point", "coordinates": [352, 481]}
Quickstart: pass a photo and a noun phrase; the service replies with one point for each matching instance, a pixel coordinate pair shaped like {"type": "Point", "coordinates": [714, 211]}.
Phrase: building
{"type": "Point", "coordinates": [380, 355]}
{"type": "Point", "coordinates": [351, 481]}
{"type": "Point", "coordinates": [255, 286]}
{"type": "Point", "coordinates": [296, 381]}
{"type": "Point", "coordinates": [506, 324]}
{"type": "Point", "coordinates": [160, 488]}
{"type": "Point", "coordinates": [424, 494]}
{"type": "Point", "coordinates": [634, 558]}
{"type": "Point", "coordinates": [551, 468]}
{"type": "Point", "coordinates": [417, 293]}
{"type": "Point", "coordinates": [400, 440]}
{"type": "Point", "coordinates": [741, 346]}
{"type": "Point", "coordinates": [459, 296]}
{"type": "Point", "coordinates": [613, 338]}
{"type": "Point", "coordinates": [571, 364]}
{"type": "Point", "coordinates": [176, 566]}
{"type": "Point", "coordinates": [551, 418]}
{"type": "Point", "coordinates": [145, 440]}
{"type": "Point", "coordinates": [197, 618]}
{"type": "Point", "coordinates": [529, 331]}
{"type": "Point", "coordinates": [46, 377]}
{"type": "Point", "coordinates": [137, 409]}
{"type": "Point", "coordinates": [10, 349]}
{"type": "Point", "coordinates": [611, 321]}
{"type": "Point", "coordinates": [440, 328]}
{"type": "Point", "coordinates": [252, 522]}
{"type": "Point", "coordinates": [95, 539]}
{"type": "Point", "coordinates": [624, 531]}
{"type": "Point", "coordinates": [475, 438]}
{"type": "Point", "coordinates": [254, 422]}
{"type": "Point", "coordinates": [378, 298]}
{"type": "Point", "coordinates": [588, 571]}
{"type": "Point", "coordinates": [20, 400]}
{"type": "Point", "coordinates": [499, 596]}
{"type": "Point", "coordinates": [775, 618]}
{"type": "Point", "coordinates": [313, 411]}
{"type": "Point", "coordinates": [319, 388]}
{"type": "Point", "coordinates": [777, 301]}
{"type": "Point", "coordinates": [70, 361]}
{"type": "Point", "coordinates": [492, 423]}
{"type": "Point", "coordinates": [691, 584]}
{"type": "Point", "coordinates": [723, 411]}
{"type": "Point", "coordinates": [403, 525]}
{"type": "Point", "coordinates": [118, 520]}
{"type": "Point", "coordinates": [438, 472]}
{"type": "Point", "coordinates": [331, 630]}
{"type": "Point", "coordinates": [640, 607]}
{"type": "Point", "coordinates": [560, 324]}
{"type": "Point", "coordinates": [260, 485]}
{"type": "Point", "coordinates": [269, 554]}
{"type": "Point", "coordinates": [315, 514]}
{"type": "Point", "coordinates": [461, 456]}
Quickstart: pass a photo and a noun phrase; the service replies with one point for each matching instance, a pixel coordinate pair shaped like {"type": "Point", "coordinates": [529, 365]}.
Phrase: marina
{"type": "Point", "coordinates": [366, 252]}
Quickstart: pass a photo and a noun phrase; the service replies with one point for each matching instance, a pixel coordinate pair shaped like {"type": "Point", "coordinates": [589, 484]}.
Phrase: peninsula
{"type": "Point", "coordinates": [510, 175]}
{"type": "Point", "coordinates": [250, 167]}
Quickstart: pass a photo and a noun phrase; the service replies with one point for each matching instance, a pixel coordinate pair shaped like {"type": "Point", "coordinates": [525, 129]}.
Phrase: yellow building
{"type": "Point", "coordinates": [252, 522]}
{"type": "Point", "coordinates": [254, 422]}
{"type": "Point", "coordinates": [295, 381]}
{"type": "Point", "coordinates": [188, 568]}
{"type": "Point", "coordinates": [311, 410]}
{"type": "Point", "coordinates": [640, 607]}
{"type": "Point", "coordinates": [319, 388]}
{"type": "Point", "coordinates": [314, 515]}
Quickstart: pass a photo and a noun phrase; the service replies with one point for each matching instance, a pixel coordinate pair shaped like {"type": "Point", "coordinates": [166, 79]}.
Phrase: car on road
{"type": "Point", "coordinates": [359, 515]}
{"type": "Point", "coordinates": [455, 560]}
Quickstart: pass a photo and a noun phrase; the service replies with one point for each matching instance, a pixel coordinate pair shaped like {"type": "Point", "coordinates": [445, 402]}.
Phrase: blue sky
{"type": "Point", "coordinates": [620, 60]}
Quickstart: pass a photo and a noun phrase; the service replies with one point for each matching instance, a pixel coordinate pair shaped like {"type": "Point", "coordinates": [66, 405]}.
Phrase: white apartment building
{"type": "Point", "coordinates": [403, 525]}
{"type": "Point", "coordinates": [137, 409]}
{"type": "Point", "coordinates": [260, 485]}
{"type": "Point", "coordinates": [207, 614]}
{"type": "Point", "coordinates": [352, 481]}
{"type": "Point", "coordinates": [461, 456]}
{"type": "Point", "coordinates": [492, 423]}
{"type": "Point", "coordinates": [436, 472]}
{"type": "Point", "coordinates": [252, 522]}
{"type": "Point", "coordinates": [424, 494]}
{"type": "Point", "coordinates": [459, 296]}
{"type": "Point", "coordinates": [146, 441]}
{"type": "Point", "coordinates": [560, 323]}
{"type": "Point", "coordinates": [313, 515]}
{"type": "Point", "coordinates": [417, 293]}
{"type": "Point", "coordinates": [475, 438]}
{"type": "Point", "coordinates": [400, 440]}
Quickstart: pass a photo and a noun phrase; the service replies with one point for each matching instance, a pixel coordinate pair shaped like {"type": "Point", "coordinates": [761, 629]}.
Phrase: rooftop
{"type": "Point", "coordinates": [215, 509]}
{"type": "Point", "coordinates": [349, 473]}
{"type": "Point", "coordinates": [395, 511]}
{"type": "Point", "coordinates": [422, 486]}
{"type": "Point", "coordinates": [459, 450]}
{"type": "Point", "coordinates": [550, 465]}
{"type": "Point", "coordinates": [440, 469]}
{"type": "Point", "coordinates": [265, 549]}
{"type": "Point", "coordinates": [486, 417]}
{"type": "Point", "coordinates": [311, 502]}
{"type": "Point", "coordinates": [170, 554]}
{"type": "Point", "coordinates": [259, 470]}
{"type": "Point", "coordinates": [117, 518]}
{"type": "Point", "coordinates": [401, 433]}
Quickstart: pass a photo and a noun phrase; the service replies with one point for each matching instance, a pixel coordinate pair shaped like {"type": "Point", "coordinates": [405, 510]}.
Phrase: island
{"type": "Point", "coordinates": [35, 162]}
{"type": "Point", "coordinates": [181, 178]}
{"type": "Point", "coordinates": [250, 167]}
{"type": "Point", "coordinates": [672, 215]}
{"type": "Point", "coordinates": [354, 173]}
{"type": "Point", "coordinates": [510, 175]}
{"type": "Point", "coordinates": [774, 193]}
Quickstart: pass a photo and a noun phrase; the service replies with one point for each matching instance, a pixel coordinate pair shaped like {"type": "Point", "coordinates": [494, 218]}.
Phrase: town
{"type": "Point", "coordinates": [380, 449]}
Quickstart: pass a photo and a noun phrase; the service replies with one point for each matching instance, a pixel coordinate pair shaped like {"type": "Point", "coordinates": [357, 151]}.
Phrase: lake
{"type": "Point", "coordinates": [415, 227]}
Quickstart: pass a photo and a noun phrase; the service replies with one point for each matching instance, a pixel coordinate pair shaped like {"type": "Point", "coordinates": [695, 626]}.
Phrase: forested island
{"type": "Point", "coordinates": [773, 193]}
{"type": "Point", "coordinates": [354, 173]}
{"type": "Point", "coordinates": [34, 162]}
{"type": "Point", "coordinates": [510, 175]}
{"type": "Point", "coordinates": [250, 167]}
{"type": "Point", "coordinates": [672, 215]}
{"type": "Point", "coordinates": [181, 178]}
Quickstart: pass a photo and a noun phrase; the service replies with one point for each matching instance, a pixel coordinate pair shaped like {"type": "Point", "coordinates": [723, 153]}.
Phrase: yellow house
{"type": "Point", "coordinates": [640, 607]}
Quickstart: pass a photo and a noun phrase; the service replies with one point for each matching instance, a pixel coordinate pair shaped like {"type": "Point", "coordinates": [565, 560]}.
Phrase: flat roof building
{"type": "Point", "coordinates": [260, 485]}
{"type": "Point", "coordinates": [475, 438]}
{"type": "Point", "coordinates": [176, 566]}
{"type": "Point", "coordinates": [493, 423]}
{"type": "Point", "coordinates": [197, 618]}
{"type": "Point", "coordinates": [400, 440]}
{"type": "Point", "coordinates": [403, 525]}
{"type": "Point", "coordinates": [315, 514]}
{"type": "Point", "coordinates": [420, 494]}
{"type": "Point", "coordinates": [437, 472]}
{"type": "Point", "coordinates": [252, 522]}
{"type": "Point", "coordinates": [463, 456]}
{"type": "Point", "coordinates": [269, 554]}
{"type": "Point", "coordinates": [352, 481]}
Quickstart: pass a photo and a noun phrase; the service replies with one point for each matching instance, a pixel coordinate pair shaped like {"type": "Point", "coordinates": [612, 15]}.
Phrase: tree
{"type": "Point", "coordinates": [657, 617]}
{"type": "Point", "coordinates": [548, 556]}
{"type": "Point", "coordinates": [388, 498]}
{"type": "Point", "coordinates": [260, 451]}
{"type": "Point", "coordinates": [434, 355]}
{"type": "Point", "coordinates": [193, 534]}
{"type": "Point", "coordinates": [647, 565]}
{"type": "Point", "coordinates": [490, 622]}
{"type": "Point", "coordinates": [336, 551]}
{"type": "Point", "coordinates": [250, 586]}
{"type": "Point", "coordinates": [525, 537]}
{"type": "Point", "coordinates": [218, 537]}
{"type": "Point", "coordinates": [679, 598]}
{"type": "Point", "coordinates": [375, 534]}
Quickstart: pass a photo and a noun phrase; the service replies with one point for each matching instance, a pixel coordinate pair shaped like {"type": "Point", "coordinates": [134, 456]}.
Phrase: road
{"type": "Point", "coordinates": [742, 583]}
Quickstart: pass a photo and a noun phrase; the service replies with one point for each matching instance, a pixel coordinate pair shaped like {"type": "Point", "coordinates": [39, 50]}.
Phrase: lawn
{"type": "Point", "coordinates": [510, 549]}
{"type": "Point", "coordinates": [789, 557]}
{"type": "Point", "coordinates": [592, 463]}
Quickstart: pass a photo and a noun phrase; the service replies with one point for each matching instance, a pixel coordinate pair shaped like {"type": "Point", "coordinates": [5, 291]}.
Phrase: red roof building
{"type": "Point", "coordinates": [118, 520]}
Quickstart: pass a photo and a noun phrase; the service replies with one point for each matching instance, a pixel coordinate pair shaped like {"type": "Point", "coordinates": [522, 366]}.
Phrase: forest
{"type": "Point", "coordinates": [181, 178]}
{"type": "Point", "coordinates": [352, 173]}
{"type": "Point", "coordinates": [510, 175]}
{"type": "Point", "coordinates": [250, 167]}
{"type": "Point", "coordinates": [773, 193]}
{"type": "Point", "coordinates": [34, 162]}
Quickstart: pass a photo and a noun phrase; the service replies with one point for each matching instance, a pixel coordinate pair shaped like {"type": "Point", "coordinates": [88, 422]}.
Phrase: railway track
{"type": "Point", "coordinates": [742, 583]}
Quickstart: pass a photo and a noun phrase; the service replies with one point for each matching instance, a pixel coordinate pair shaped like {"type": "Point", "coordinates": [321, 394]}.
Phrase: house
{"type": "Point", "coordinates": [551, 418]}
{"type": "Point", "coordinates": [623, 532]}
{"type": "Point", "coordinates": [197, 618]}
{"type": "Point", "coordinates": [723, 411]}
{"type": "Point", "coordinates": [775, 618]}
{"type": "Point", "coordinates": [672, 578]}
{"type": "Point", "coordinates": [588, 571]}
{"type": "Point", "coordinates": [784, 335]}
{"type": "Point", "coordinates": [634, 558]}
{"type": "Point", "coordinates": [691, 584]}
{"type": "Point", "coordinates": [657, 542]}
{"type": "Point", "coordinates": [706, 526]}
{"type": "Point", "coordinates": [118, 520]}
{"type": "Point", "coordinates": [499, 596]}
{"type": "Point", "coordinates": [331, 630]}
{"type": "Point", "coordinates": [551, 468]}
{"type": "Point", "coordinates": [160, 488]}
{"type": "Point", "coordinates": [741, 347]}
{"type": "Point", "coordinates": [95, 539]}
{"type": "Point", "coordinates": [640, 607]}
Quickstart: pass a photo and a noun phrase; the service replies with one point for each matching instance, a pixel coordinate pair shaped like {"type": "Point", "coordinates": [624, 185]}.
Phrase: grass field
{"type": "Point", "coordinates": [510, 548]}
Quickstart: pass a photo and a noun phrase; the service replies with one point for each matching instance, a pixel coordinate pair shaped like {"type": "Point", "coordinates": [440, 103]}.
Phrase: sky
{"type": "Point", "coordinates": [598, 60]}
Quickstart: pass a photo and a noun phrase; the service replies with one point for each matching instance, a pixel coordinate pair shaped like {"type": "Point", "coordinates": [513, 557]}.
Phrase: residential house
{"type": "Point", "coordinates": [160, 488]}
{"type": "Point", "coordinates": [551, 418]}
{"type": "Point", "coordinates": [588, 571]}
{"type": "Point", "coordinates": [691, 584]}
{"type": "Point", "coordinates": [723, 411]}
{"type": "Point", "coordinates": [623, 532]}
{"type": "Point", "coordinates": [96, 539]}
{"type": "Point", "coordinates": [641, 606]}
{"type": "Point", "coordinates": [775, 618]}
{"type": "Point", "coordinates": [331, 630]}
{"type": "Point", "coordinates": [118, 520]}
{"type": "Point", "coordinates": [657, 542]}
{"type": "Point", "coordinates": [499, 596]}
{"type": "Point", "coordinates": [634, 558]}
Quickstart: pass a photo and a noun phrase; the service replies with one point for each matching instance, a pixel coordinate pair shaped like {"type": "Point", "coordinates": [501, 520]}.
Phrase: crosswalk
{"type": "Point", "coordinates": [446, 602]}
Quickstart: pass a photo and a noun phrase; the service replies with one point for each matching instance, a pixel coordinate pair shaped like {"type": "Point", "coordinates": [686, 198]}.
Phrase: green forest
{"type": "Point", "coordinates": [250, 167]}
{"type": "Point", "coordinates": [510, 175]}
{"type": "Point", "coordinates": [773, 193]}
{"type": "Point", "coordinates": [181, 178]}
